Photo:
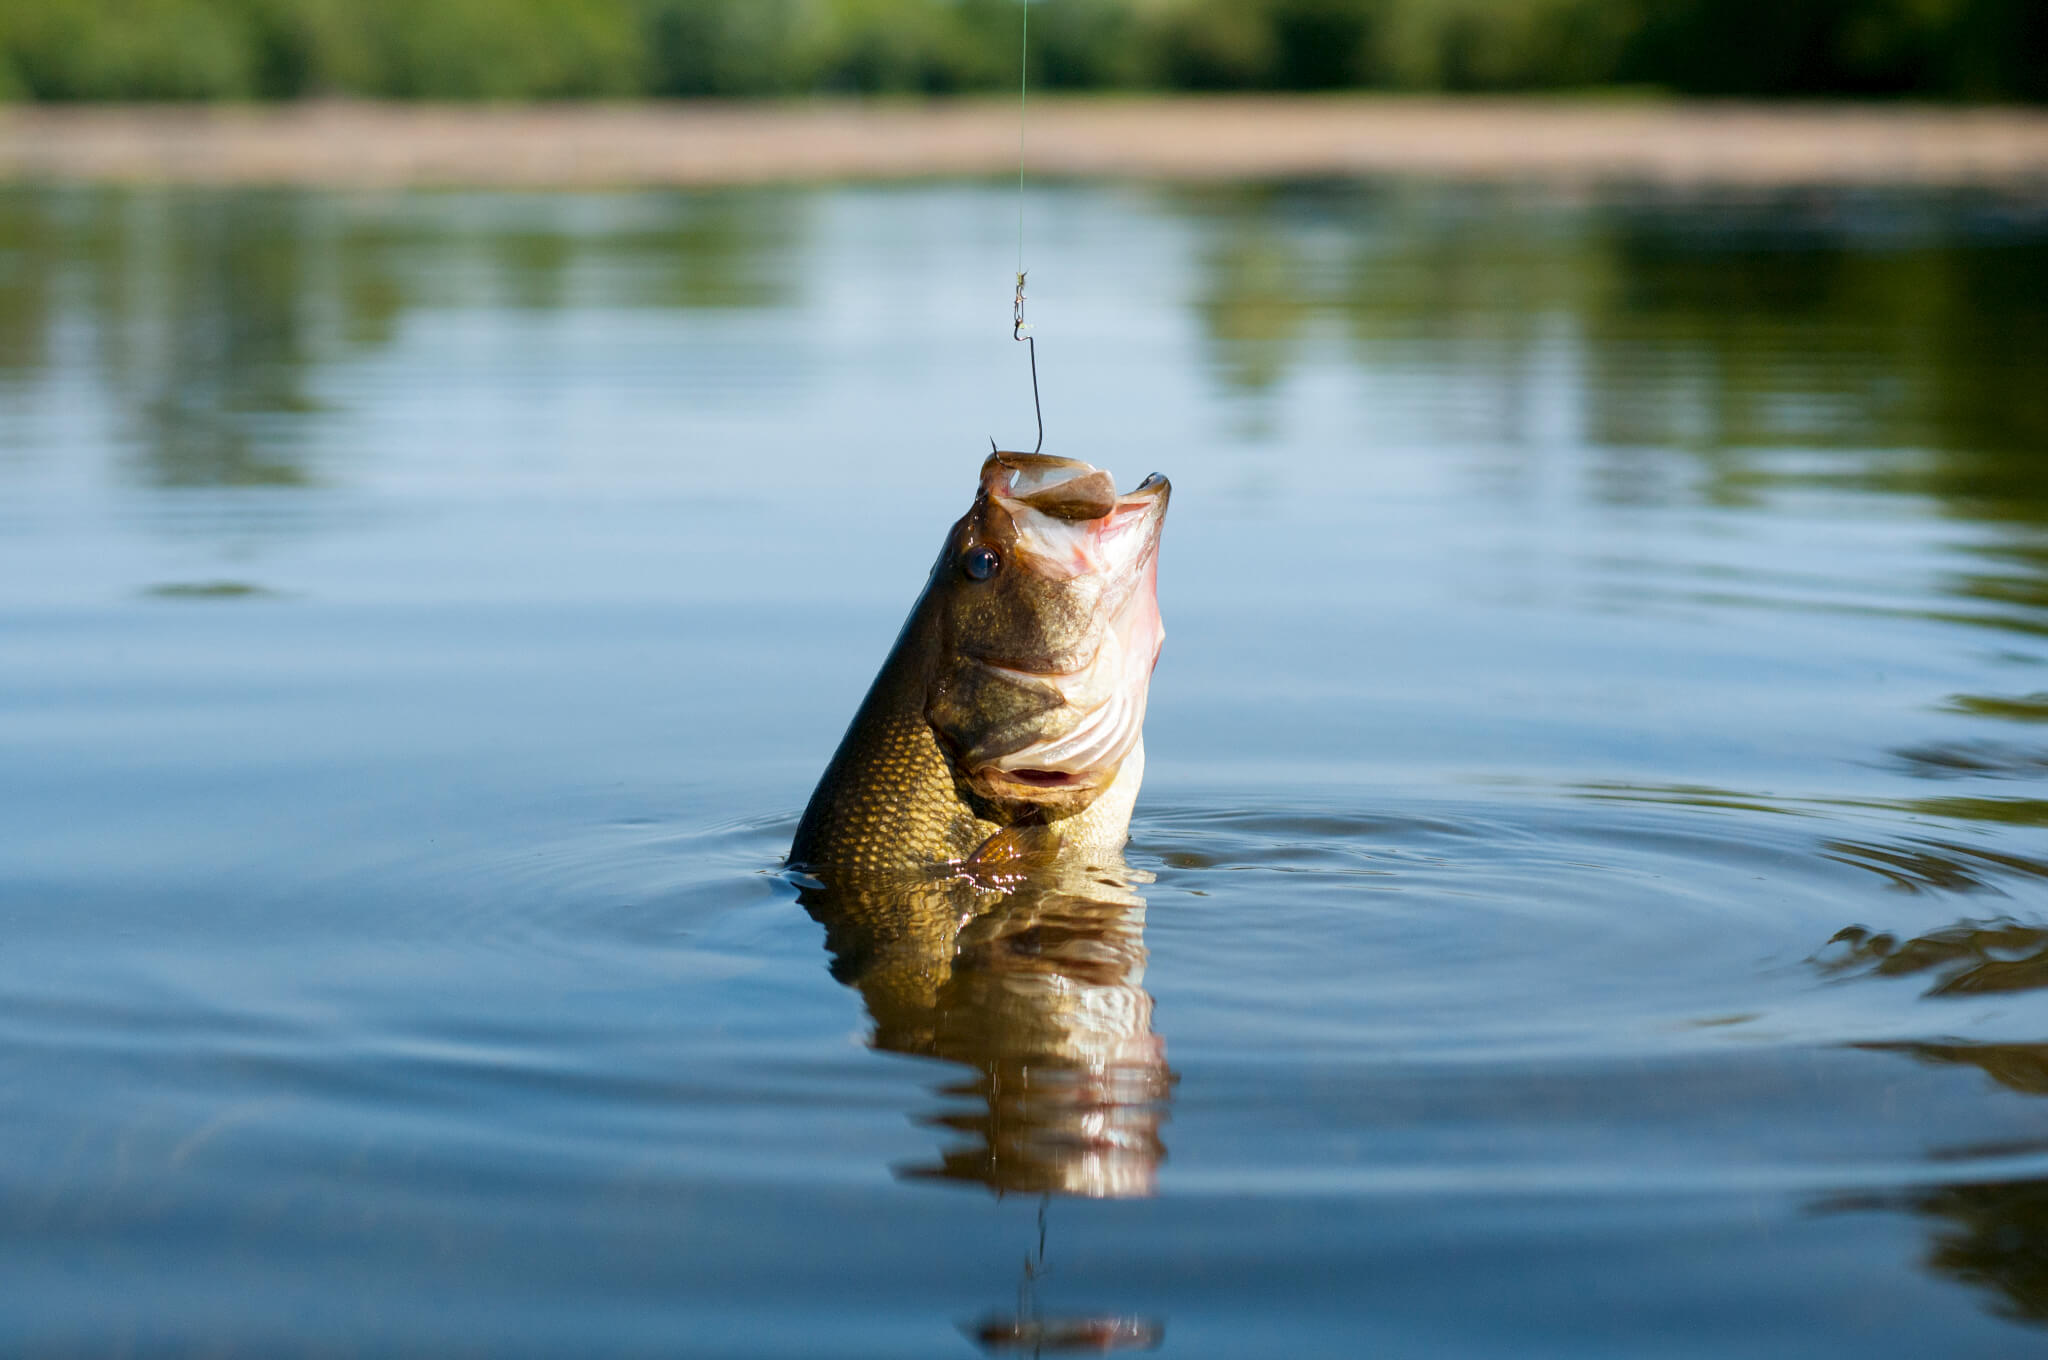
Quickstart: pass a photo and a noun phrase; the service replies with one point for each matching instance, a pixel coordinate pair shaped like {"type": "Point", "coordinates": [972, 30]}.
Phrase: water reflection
{"type": "Point", "coordinates": [1991, 1234]}
{"type": "Point", "coordinates": [229, 351]}
{"type": "Point", "coordinates": [1914, 863]}
{"type": "Point", "coordinates": [27, 247]}
{"type": "Point", "coordinates": [1920, 864]}
{"type": "Point", "coordinates": [2014, 707]}
{"type": "Point", "coordinates": [1732, 328]}
{"type": "Point", "coordinates": [1698, 362]}
{"type": "Point", "coordinates": [214, 316]}
{"type": "Point", "coordinates": [1030, 1329]}
{"type": "Point", "coordinates": [1035, 990]}
{"type": "Point", "coordinates": [1980, 758]}
{"type": "Point", "coordinates": [1253, 305]}
{"type": "Point", "coordinates": [1964, 958]}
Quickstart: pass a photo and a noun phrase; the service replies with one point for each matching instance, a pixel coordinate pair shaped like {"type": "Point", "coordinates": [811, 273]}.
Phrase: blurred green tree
{"type": "Point", "coordinates": [524, 49]}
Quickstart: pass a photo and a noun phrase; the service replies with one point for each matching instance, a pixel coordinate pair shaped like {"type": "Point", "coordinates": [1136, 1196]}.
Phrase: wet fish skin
{"type": "Point", "coordinates": [1007, 720]}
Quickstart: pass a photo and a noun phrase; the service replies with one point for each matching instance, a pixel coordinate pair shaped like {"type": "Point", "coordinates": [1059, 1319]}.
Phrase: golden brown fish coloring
{"type": "Point", "coordinates": [1007, 721]}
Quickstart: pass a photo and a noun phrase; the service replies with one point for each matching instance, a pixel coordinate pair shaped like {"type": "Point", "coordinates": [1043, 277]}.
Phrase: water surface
{"type": "Point", "coordinates": [1590, 895]}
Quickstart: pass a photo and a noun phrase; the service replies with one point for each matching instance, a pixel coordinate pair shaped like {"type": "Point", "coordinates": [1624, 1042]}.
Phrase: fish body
{"type": "Point", "coordinates": [1036, 988]}
{"type": "Point", "coordinates": [962, 849]}
{"type": "Point", "coordinates": [1007, 722]}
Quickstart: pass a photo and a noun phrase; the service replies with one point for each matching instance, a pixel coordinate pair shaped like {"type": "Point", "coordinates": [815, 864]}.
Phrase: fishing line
{"type": "Point", "coordinates": [1018, 329]}
{"type": "Point", "coordinates": [1023, 74]}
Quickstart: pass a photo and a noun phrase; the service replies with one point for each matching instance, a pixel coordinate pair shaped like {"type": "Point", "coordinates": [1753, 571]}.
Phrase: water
{"type": "Point", "coordinates": [1591, 888]}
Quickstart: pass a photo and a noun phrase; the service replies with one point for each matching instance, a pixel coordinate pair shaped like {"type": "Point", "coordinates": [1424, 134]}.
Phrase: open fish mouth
{"type": "Point", "coordinates": [1070, 521]}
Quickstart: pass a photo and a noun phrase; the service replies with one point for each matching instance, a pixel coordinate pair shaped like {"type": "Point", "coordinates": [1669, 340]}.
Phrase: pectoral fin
{"type": "Point", "coordinates": [1015, 848]}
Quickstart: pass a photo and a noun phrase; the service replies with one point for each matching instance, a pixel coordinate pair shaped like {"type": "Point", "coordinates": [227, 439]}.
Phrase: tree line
{"type": "Point", "coordinates": [1978, 50]}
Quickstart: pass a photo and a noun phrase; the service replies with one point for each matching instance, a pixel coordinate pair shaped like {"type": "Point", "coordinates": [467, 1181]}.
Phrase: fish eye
{"type": "Point", "coordinates": [980, 563]}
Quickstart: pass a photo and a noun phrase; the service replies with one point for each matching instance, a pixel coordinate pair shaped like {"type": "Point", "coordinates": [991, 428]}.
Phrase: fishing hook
{"type": "Point", "coordinates": [1017, 332]}
{"type": "Point", "coordinates": [1032, 340]}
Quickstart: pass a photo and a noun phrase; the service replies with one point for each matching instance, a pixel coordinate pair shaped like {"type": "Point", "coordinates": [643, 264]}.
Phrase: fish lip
{"type": "Point", "coordinates": [1120, 542]}
{"type": "Point", "coordinates": [1011, 670]}
{"type": "Point", "coordinates": [1027, 786]}
{"type": "Point", "coordinates": [1037, 779]}
{"type": "Point", "coordinates": [999, 475]}
{"type": "Point", "coordinates": [1154, 487]}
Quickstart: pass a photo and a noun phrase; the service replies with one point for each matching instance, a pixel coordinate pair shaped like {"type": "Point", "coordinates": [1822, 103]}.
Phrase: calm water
{"type": "Point", "coordinates": [1592, 877]}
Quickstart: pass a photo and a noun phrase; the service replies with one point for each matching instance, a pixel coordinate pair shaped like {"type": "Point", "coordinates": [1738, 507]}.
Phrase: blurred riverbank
{"type": "Point", "coordinates": [1184, 138]}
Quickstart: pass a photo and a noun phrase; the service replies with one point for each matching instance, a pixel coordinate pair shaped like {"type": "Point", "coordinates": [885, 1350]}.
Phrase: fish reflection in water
{"type": "Point", "coordinates": [1034, 986]}
{"type": "Point", "coordinates": [1040, 1335]}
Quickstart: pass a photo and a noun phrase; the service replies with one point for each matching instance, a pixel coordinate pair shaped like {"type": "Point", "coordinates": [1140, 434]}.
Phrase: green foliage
{"type": "Point", "coordinates": [729, 47]}
{"type": "Point", "coordinates": [132, 49]}
{"type": "Point", "coordinates": [1971, 49]}
{"type": "Point", "coordinates": [1503, 44]}
{"type": "Point", "coordinates": [1083, 44]}
{"type": "Point", "coordinates": [929, 46]}
{"type": "Point", "coordinates": [482, 49]}
{"type": "Point", "coordinates": [521, 49]}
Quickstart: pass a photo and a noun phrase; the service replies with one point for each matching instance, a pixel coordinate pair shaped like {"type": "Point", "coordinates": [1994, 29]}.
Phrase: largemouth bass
{"type": "Point", "coordinates": [1036, 989]}
{"type": "Point", "coordinates": [1006, 724]}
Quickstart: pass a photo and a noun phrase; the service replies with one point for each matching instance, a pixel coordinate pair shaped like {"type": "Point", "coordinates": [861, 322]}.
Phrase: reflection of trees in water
{"type": "Point", "coordinates": [1995, 1236]}
{"type": "Point", "coordinates": [1034, 991]}
{"type": "Point", "coordinates": [1734, 328]}
{"type": "Point", "coordinates": [213, 349]}
{"type": "Point", "coordinates": [1991, 1234]}
{"type": "Point", "coordinates": [1966, 958]}
{"type": "Point", "coordinates": [722, 250]}
{"type": "Point", "coordinates": [200, 306]}
{"type": "Point", "coordinates": [28, 243]}
{"type": "Point", "coordinates": [668, 249]}
{"type": "Point", "coordinates": [212, 311]}
{"type": "Point", "coordinates": [1887, 343]}
{"type": "Point", "coordinates": [2013, 707]}
{"type": "Point", "coordinates": [1253, 302]}
{"type": "Point", "coordinates": [1821, 322]}
{"type": "Point", "coordinates": [1440, 283]}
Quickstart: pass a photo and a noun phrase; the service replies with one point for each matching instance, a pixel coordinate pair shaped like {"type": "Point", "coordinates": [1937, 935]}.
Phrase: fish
{"type": "Point", "coordinates": [1032, 992]}
{"type": "Point", "coordinates": [1005, 728]}
{"type": "Point", "coordinates": [963, 848]}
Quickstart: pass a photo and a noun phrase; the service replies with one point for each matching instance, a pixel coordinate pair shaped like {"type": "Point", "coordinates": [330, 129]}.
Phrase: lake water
{"type": "Point", "coordinates": [1591, 884]}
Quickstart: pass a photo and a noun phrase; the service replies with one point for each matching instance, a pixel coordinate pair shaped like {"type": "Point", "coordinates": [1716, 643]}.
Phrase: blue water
{"type": "Point", "coordinates": [1590, 894]}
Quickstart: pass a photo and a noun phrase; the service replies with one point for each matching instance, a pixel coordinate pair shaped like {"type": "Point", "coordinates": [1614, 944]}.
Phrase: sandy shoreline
{"type": "Point", "coordinates": [1154, 138]}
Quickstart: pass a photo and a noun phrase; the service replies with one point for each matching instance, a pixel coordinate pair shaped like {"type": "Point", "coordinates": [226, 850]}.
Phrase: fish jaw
{"type": "Point", "coordinates": [1067, 527]}
{"type": "Point", "coordinates": [1070, 522]}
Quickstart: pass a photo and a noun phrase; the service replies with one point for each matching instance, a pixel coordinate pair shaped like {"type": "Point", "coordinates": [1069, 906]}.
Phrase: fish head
{"type": "Point", "coordinates": [1048, 617]}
